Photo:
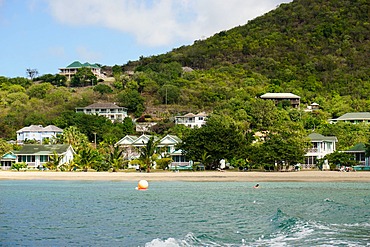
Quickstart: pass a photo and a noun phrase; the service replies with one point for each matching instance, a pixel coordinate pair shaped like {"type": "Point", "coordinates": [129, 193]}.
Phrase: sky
{"type": "Point", "coordinates": [50, 34]}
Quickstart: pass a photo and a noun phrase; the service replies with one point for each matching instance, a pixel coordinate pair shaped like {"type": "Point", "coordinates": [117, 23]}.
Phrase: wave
{"type": "Point", "coordinates": [282, 229]}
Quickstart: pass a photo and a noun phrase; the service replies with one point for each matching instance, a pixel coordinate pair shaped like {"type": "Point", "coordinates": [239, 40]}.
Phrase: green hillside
{"type": "Point", "coordinates": [312, 48]}
{"type": "Point", "coordinates": [317, 49]}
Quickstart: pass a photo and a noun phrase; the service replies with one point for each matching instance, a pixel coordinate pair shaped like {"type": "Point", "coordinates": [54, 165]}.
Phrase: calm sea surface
{"type": "Point", "coordinates": [80, 213]}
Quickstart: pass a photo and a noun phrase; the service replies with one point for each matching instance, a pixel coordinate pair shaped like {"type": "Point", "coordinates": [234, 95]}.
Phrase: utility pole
{"type": "Point", "coordinates": [94, 139]}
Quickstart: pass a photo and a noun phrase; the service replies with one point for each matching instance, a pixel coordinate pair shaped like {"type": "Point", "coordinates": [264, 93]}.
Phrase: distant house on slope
{"type": "Point", "coordinates": [72, 69]}
{"type": "Point", "coordinates": [192, 120]}
{"type": "Point", "coordinates": [37, 133]}
{"type": "Point", "coordinates": [280, 97]}
{"type": "Point", "coordinates": [353, 117]}
{"type": "Point", "coordinates": [111, 111]}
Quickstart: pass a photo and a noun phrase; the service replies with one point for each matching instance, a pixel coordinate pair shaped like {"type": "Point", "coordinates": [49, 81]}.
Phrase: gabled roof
{"type": "Point", "coordinates": [279, 96]}
{"type": "Point", "coordinates": [143, 139]}
{"type": "Point", "coordinates": [355, 116]}
{"type": "Point", "coordinates": [103, 106]}
{"type": "Point", "coordinates": [170, 140]}
{"type": "Point", "coordinates": [9, 156]}
{"type": "Point", "coordinates": [31, 128]}
{"type": "Point", "coordinates": [77, 64]}
{"type": "Point", "coordinates": [316, 137]}
{"type": "Point", "coordinates": [36, 149]}
{"type": "Point", "coordinates": [127, 140]}
{"type": "Point", "coordinates": [52, 128]}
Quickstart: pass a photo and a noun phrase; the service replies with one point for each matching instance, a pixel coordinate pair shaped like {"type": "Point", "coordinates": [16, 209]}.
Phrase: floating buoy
{"type": "Point", "coordinates": [142, 185]}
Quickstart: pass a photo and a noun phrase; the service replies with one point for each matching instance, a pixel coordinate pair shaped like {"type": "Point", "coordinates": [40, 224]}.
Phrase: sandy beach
{"type": "Point", "coordinates": [231, 176]}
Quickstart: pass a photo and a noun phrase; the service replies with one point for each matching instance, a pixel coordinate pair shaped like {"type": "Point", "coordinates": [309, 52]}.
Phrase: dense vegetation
{"type": "Point", "coordinates": [317, 49]}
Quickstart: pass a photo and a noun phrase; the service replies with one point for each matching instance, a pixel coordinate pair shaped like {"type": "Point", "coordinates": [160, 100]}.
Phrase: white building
{"type": "Point", "coordinates": [353, 117]}
{"type": "Point", "coordinates": [37, 133]}
{"type": "Point", "coordinates": [36, 156]}
{"type": "Point", "coordinates": [72, 69]}
{"type": "Point", "coordinates": [108, 110]}
{"type": "Point", "coordinates": [321, 146]}
{"type": "Point", "coordinates": [191, 120]}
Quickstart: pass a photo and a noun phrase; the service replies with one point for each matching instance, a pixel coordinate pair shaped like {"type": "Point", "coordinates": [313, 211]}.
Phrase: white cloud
{"type": "Point", "coordinates": [161, 22]}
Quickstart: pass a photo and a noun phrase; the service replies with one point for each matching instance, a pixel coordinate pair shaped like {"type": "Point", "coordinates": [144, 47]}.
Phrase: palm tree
{"type": "Point", "coordinates": [147, 153]}
{"type": "Point", "coordinates": [115, 158]}
{"type": "Point", "coordinates": [54, 161]}
{"type": "Point", "coordinates": [87, 158]}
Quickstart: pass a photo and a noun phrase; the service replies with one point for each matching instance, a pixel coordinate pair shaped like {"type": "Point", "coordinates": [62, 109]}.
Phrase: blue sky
{"type": "Point", "coordinates": [50, 34]}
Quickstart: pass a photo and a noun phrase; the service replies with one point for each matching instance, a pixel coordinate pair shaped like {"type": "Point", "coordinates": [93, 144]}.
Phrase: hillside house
{"type": "Point", "coordinates": [279, 98]}
{"type": "Point", "coordinates": [321, 146]}
{"type": "Point", "coordinates": [353, 117]}
{"type": "Point", "coordinates": [37, 133]}
{"type": "Point", "coordinates": [192, 120]}
{"type": "Point", "coordinates": [36, 156]}
{"type": "Point", "coordinates": [72, 69]}
{"type": "Point", "coordinates": [111, 111]}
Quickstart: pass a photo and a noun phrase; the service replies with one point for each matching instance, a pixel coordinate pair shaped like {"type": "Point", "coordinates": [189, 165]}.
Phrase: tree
{"type": "Point", "coordinates": [103, 89]}
{"type": "Point", "coordinates": [4, 147]}
{"type": "Point", "coordinates": [114, 158]}
{"type": "Point", "coordinates": [54, 161]}
{"type": "Point", "coordinates": [32, 73]}
{"type": "Point", "coordinates": [84, 77]}
{"type": "Point", "coordinates": [337, 159]}
{"type": "Point", "coordinates": [147, 153]}
{"type": "Point", "coordinates": [219, 138]}
{"type": "Point", "coordinates": [87, 158]}
{"type": "Point", "coordinates": [132, 100]}
{"type": "Point", "coordinates": [73, 137]}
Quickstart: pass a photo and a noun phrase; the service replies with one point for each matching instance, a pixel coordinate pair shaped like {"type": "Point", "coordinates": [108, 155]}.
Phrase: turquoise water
{"type": "Point", "coordinates": [79, 213]}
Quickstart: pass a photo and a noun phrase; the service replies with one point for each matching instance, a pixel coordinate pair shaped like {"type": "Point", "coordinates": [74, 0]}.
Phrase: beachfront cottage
{"type": "Point", "coordinates": [7, 160]}
{"type": "Point", "coordinates": [72, 69]}
{"type": "Point", "coordinates": [192, 120]}
{"type": "Point", "coordinates": [279, 98]}
{"type": "Point", "coordinates": [111, 111]}
{"type": "Point", "coordinates": [36, 156]}
{"type": "Point", "coordinates": [166, 147]}
{"type": "Point", "coordinates": [37, 133]}
{"type": "Point", "coordinates": [321, 146]}
{"type": "Point", "coordinates": [353, 117]}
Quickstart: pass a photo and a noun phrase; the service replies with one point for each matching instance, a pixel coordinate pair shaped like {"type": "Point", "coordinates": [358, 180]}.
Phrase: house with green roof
{"type": "Point", "coordinates": [72, 69]}
{"type": "Point", "coordinates": [7, 160]}
{"type": "Point", "coordinates": [359, 154]}
{"type": "Point", "coordinates": [353, 117]}
{"type": "Point", "coordinates": [321, 146]}
{"type": "Point", "coordinates": [36, 156]}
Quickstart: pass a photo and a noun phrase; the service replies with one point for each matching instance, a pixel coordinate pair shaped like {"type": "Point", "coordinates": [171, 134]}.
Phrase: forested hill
{"type": "Point", "coordinates": [311, 47]}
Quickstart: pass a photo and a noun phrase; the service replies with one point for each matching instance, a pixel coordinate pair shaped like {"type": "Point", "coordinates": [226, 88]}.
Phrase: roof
{"type": "Point", "coordinates": [355, 116]}
{"type": "Point", "coordinates": [39, 128]}
{"type": "Point", "coordinates": [279, 96]}
{"type": "Point", "coordinates": [102, 106]}
{"type": "Point", "coordinates": [52, 128]}
{"type": "Point", "coordinates": [77, 64]}
{"type": "Point", "coordinates": [9, 156]}
{"type": "Point", "coordinates": [37, 149]}
{"type": "Point", "coordinates": [201, 114]}
{"type": "Point", "coordinates": [359, 147]}
{"type": "Point", "coordinates": [315, 137]}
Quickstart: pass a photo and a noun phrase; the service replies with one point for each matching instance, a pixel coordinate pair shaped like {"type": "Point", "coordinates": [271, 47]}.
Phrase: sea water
{"type": "Point", "coordinates": [80, 213]}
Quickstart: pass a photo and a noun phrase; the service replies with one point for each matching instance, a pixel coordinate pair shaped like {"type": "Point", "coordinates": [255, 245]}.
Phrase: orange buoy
{"type": "Point", "coordinates": [142, 185]}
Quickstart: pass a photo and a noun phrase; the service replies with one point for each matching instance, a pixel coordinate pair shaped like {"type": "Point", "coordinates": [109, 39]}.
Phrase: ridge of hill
{"type": "Point", "coordinates": [315, 48]}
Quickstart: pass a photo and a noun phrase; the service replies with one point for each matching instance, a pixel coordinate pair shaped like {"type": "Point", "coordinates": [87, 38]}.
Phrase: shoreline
{"type": "Point", "coordinates": [205, 176]}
